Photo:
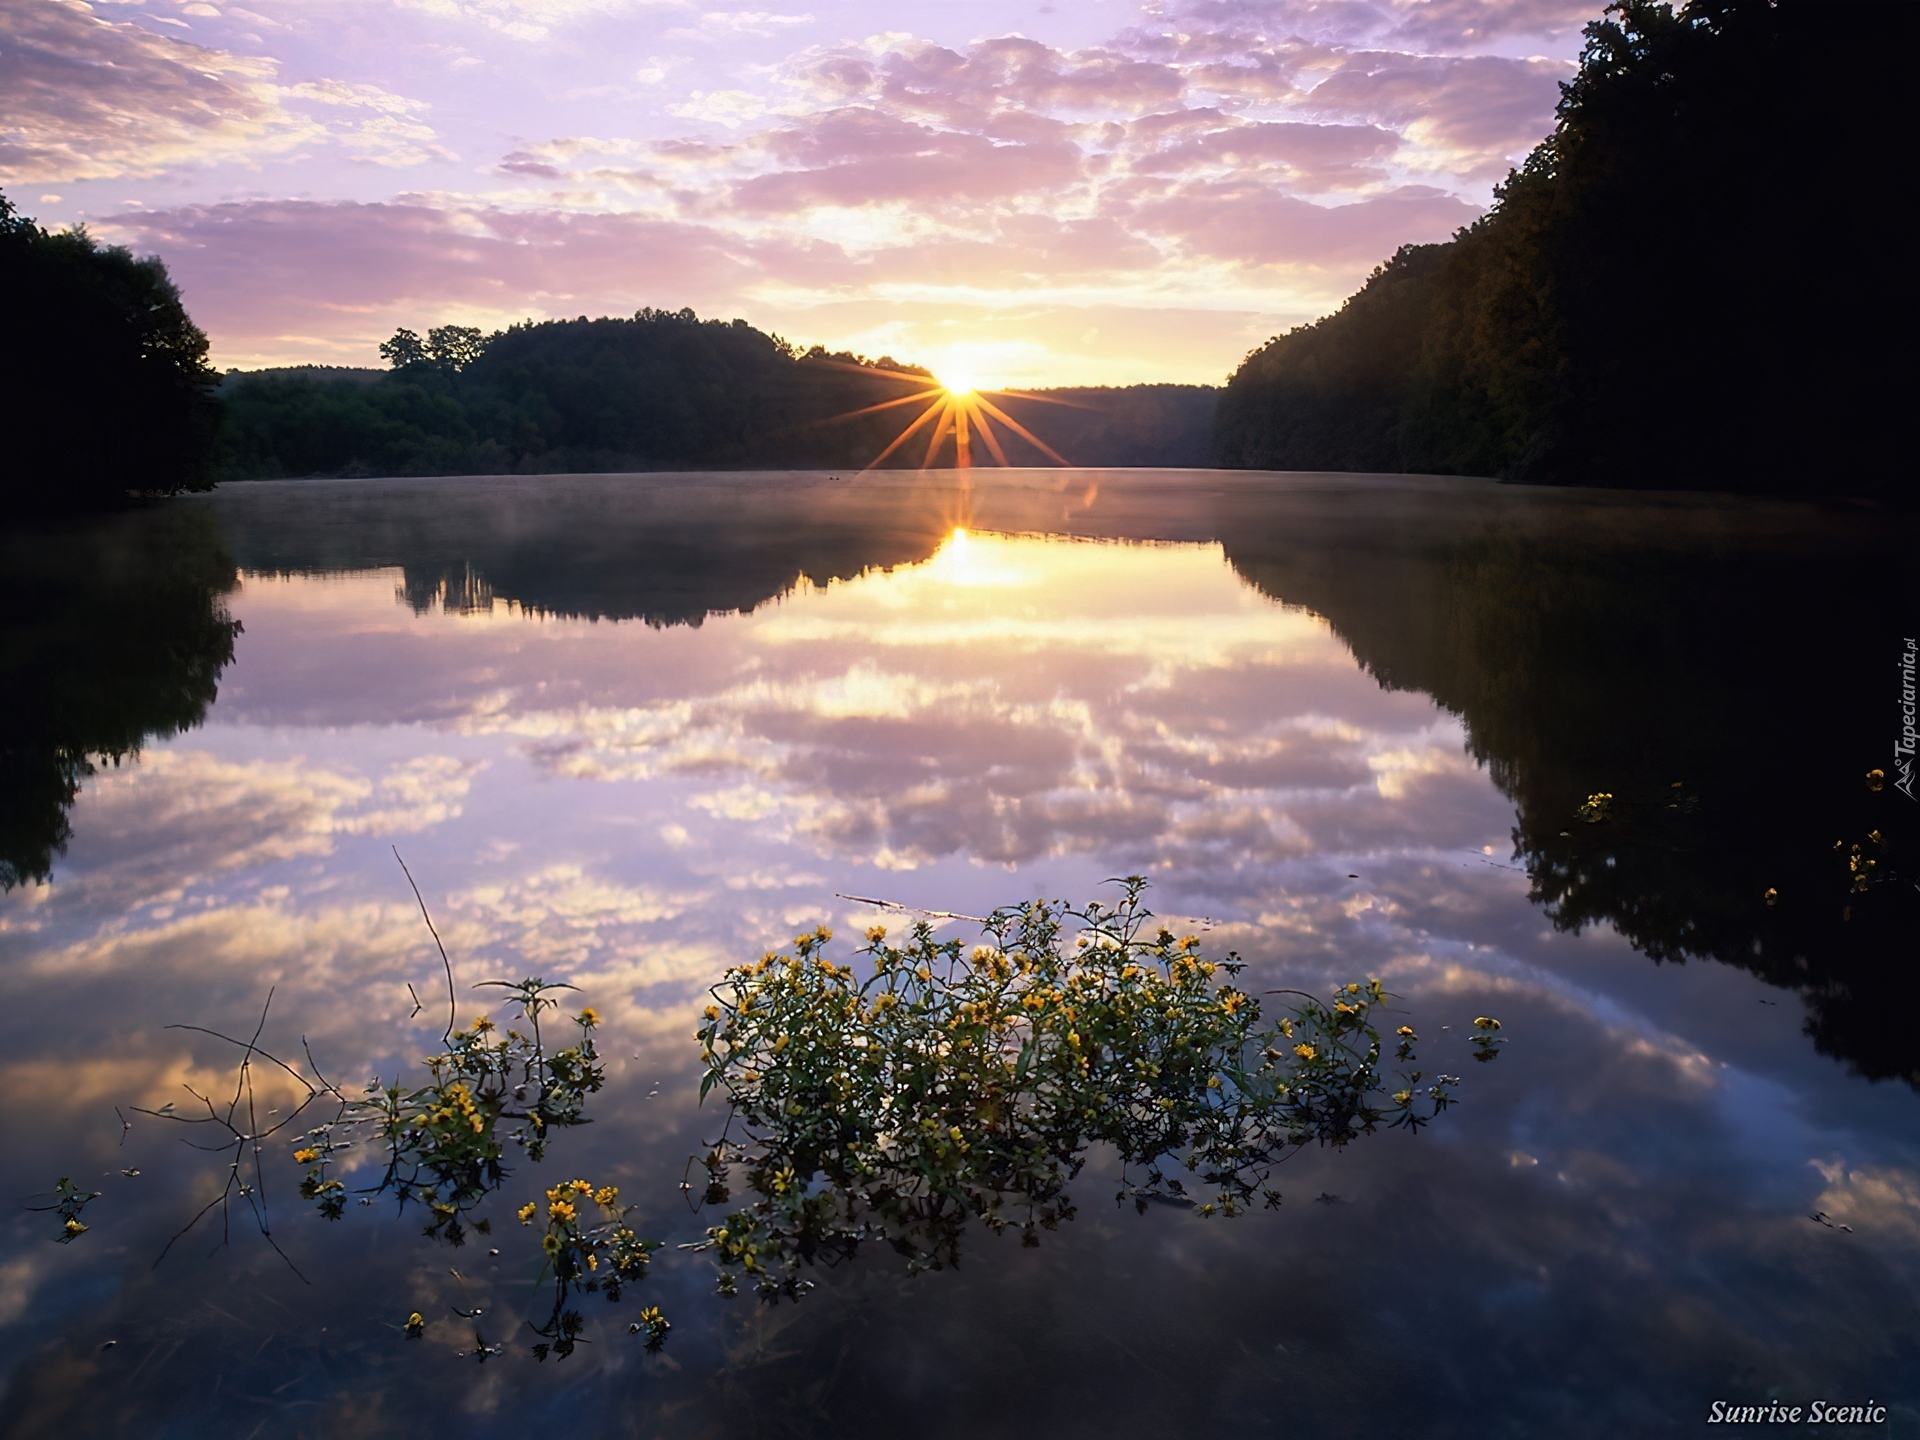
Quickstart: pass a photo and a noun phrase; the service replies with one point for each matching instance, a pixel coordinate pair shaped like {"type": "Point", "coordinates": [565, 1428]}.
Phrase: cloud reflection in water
{"type": "Point", "coordinates": [629, 807]}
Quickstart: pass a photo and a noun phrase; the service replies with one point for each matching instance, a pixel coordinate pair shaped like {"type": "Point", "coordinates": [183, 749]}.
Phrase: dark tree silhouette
{"type": "Point", "coordinates": [104, 378]}
{"type": "Point", "coordinates": [660, 390]}
{"type": "Point", "coordinates": [1671, 292]}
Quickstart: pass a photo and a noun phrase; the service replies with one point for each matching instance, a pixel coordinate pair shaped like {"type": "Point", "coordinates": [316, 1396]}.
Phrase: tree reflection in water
{"type": "Point", "coordinates": [1722, 673]}
{"type": "Point", "coordinates": [112, 632]}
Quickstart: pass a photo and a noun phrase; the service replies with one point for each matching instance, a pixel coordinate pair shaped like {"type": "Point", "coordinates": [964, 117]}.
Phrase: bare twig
{"type": "Point", "coordinates": [436, 940]}
{"type": "Point", "coordinates": [911, 909]}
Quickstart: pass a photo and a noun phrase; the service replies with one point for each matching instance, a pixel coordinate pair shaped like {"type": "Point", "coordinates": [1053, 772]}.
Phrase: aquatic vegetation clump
{"type": "Point", "coordinates": [68, 1201]}
{"type": "Point", "coordinates": [444, 1142]}
{"type": "Point", "coordinates": [948, 1086]}
{"type": "Point", "coordinates": [588, 1255]}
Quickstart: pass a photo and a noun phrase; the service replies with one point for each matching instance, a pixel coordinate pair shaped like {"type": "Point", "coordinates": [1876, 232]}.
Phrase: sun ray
{"type": "Point", "coordinates": [876, 370]}
{"type": "Point", "coordinates": [902, 437]}
{"type": "Point", "coordinates": [959, 409]}
{"type": "Point", "coordinates": [986, 434]}
{"type": "Point", "coordinates": [1020, 430]}
{"type": "Point", "coordinates": [883, 405]}
{"type": "Point", "coordinates": [939, 431]}
{"type": "Point", "coordinates": [1045, 399]}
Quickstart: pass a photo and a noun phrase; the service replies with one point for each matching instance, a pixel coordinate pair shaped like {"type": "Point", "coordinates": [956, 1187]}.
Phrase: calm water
{"type": "Point", "coordinates": [626, 731]}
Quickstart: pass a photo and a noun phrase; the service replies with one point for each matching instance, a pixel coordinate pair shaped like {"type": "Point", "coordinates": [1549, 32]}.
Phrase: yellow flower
{"type": "Point", "coordinates": [876, 933]}
{"type": "Point", "coordinates": [712, 1012]}
{"type": "Point", "coordinates": [550, 1243]}
{"type": "Point", "coordinates": [1401, 1097]}
{"type": "Point", "coordinates": [305, 1157]}
{"type": "Point", "coordinates": [481, 1024]}
{"type": "Point", "coordinates": [1406, 1032]}
{"type": "Point", "coordinates": [589, 1017]}
{"type": "Point", "coordinates": [526, 1213]}
{"type": "Point", "coordinates": [1305, 1052]}
{"type": "Point", "coordinates": [1486, 1022]}
{"type": "Point", "coordinates": [606, 1195]}
{"type": "Point", "coordinates": [583, 1187]}
{"type": "Point", "coordinates": [561, 1212]}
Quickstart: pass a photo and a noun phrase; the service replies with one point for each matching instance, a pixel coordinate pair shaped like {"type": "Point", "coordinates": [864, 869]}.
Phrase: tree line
{"type": "Point", "coordinates": [661, 390]}
{"type": "Point", "coordinates": [1670, 292]}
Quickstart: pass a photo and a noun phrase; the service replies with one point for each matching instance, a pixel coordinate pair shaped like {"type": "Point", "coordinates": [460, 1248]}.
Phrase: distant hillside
{"type": "Point", "coordinates": [1676, 290]}
{"type": "Point", "coordinates": [662, 390]}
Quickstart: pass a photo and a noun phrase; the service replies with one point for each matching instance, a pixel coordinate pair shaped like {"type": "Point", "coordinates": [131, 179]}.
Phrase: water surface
{"type": "Point", "coordinates": [628, 730]}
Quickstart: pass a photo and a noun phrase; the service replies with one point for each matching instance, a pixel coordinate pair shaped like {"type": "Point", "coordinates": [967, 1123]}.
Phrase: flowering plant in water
{"type": "Point", "coordinates": [948, 1085]}
{"type": "Point", "coordinates": [444, 1142]}
{"type": "Point", "coordinates": [589, 1255]}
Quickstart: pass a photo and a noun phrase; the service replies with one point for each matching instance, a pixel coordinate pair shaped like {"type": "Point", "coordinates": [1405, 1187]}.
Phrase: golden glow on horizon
{"type": "Point", "coordinates": [958, 411]}
{"type": "Point", "coordinates": [986, 562]}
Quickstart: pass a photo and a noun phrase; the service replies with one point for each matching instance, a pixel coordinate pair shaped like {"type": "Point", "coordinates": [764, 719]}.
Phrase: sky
{"type": "Point", "coordinates": [1098, 192]}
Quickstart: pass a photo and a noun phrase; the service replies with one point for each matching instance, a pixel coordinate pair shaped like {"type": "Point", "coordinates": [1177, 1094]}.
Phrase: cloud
{"type": "Point", "coordinates": [1254, 224]}
{"type": "Point", "coordinates": [82, 98]}
{"type": "Point", "coordinates": [1316, 157]}
{"type": "Point", "coordinates": [256, 271]}
{"type": "Point", "coordinates": [855, 157]}
{"type": "Point", "coordinates": [1245, 159]}
{"type": "Point", "coordinates": [1477, 115]}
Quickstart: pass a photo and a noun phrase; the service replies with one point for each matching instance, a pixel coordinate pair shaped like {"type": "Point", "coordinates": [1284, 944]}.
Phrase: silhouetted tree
{"type": "Point", "coordinates": [104, 378]}
{"type": "Point", "coordinates": [1672, 291]}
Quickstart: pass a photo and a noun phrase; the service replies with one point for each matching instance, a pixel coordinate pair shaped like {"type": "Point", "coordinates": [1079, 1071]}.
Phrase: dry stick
{"type": "Point", "coordinates": [436, 940]}
{"type": "Point", "coordinates": [243, 1087]}
{"type": "Point", "coordinates": [911, 909]}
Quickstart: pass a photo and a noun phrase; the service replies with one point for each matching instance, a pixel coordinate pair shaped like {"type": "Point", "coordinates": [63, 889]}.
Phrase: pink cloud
{"type": "Point", "coordinates": [83, 99]}
{"type": "Point", "coordinates": [859, 156]}
{"type": "Point", "coordinates": [253, 271]}
{"type": "Point", "coordinates": [1257, 225]}
{"type": "Point", "coordinates": [1484, 107]}
{"type": "Point", "coordinates": [1319, 156]}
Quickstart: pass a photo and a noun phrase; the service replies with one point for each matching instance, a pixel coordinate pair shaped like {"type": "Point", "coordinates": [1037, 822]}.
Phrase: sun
{"type": "Point", "coordinates": [957, 408]}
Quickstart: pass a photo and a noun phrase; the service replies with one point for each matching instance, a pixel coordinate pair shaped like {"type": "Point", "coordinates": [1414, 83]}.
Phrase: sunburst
{"type": "Point", "coordinates": [957, 410]}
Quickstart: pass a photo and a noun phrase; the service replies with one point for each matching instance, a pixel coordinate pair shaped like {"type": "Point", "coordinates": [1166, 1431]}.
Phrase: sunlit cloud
{"type": "Point", "coordinates": [84, 97]}
{"type": "Point", "coordinates": [1199, 179]}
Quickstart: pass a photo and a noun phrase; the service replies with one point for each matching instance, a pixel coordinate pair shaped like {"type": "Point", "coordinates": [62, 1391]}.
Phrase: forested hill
{"type": "Point", "coordinates": [662, 390]}
{"type": "Point", "coordinates": [1687, 285]}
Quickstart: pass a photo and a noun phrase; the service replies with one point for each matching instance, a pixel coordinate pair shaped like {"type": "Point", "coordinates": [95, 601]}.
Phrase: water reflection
{"type": "Point", "coordinates": [111, 634]}
{"type": "Point", "coordinates": [1724, 674]}
{"type": "Point", "coordinates": [1610, 1230]}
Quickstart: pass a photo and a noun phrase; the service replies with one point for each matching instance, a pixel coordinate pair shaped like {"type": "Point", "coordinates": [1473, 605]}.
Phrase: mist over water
{"type": "Point", "coordinates": [629, 730]}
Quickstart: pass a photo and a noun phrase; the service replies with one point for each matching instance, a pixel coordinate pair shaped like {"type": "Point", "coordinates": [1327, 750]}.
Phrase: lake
{"type": "Point", "coordinates": [1594, 763]}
